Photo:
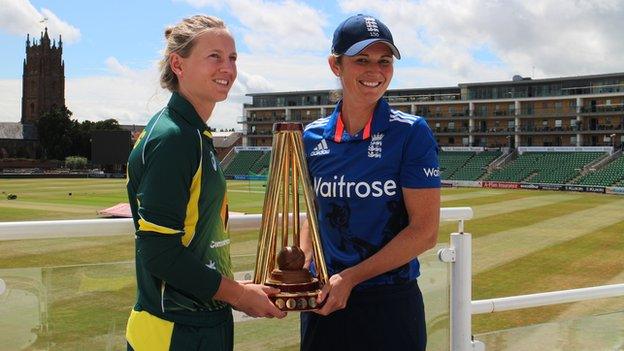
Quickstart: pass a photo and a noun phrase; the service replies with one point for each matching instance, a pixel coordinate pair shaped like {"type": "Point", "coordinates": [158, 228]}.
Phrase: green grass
{"type": "Point", "coordinates": [87, 301]}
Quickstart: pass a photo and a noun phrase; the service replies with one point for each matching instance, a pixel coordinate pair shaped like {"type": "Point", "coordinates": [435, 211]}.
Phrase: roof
{"type": "Point", "coordinates": [225, 139]}
{"type": "Point", "coordinates": [526, 80]}
{"type": "Point", "coordinates": [11, 130]}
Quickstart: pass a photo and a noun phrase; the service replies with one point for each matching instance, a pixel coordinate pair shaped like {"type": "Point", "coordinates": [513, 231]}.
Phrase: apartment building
{"type": "Point", "coordinates": [566, 111]}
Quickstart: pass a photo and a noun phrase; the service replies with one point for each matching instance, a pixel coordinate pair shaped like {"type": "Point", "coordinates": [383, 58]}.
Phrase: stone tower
{"type": "Point", "coordinates": [43, 81]}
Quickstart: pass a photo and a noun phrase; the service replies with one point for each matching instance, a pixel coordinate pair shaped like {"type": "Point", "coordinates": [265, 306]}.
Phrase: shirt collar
{"type": "Point", "coordinates": [377, 123]}
{"type": "Point", "coordinates": [187, 112]}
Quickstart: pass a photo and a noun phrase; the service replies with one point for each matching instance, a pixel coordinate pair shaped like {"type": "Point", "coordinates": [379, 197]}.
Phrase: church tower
{"type": "Point", "coordinates": [43, 81]}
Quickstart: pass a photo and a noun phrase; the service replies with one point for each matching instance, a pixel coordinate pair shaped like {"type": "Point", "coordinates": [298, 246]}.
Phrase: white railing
{"type": "Point", "coordinates": [124, 226]}
{"type": "Point", "coordinates": [548, 298]}
{"type": "Point", "coordinates": [459, 255]}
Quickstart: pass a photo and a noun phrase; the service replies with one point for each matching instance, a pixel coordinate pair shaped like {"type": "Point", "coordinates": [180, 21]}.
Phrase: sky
{"type": "Point", "coordinates": [111, 48]}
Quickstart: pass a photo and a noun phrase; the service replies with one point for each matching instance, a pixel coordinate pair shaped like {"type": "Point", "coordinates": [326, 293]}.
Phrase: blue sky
{"type": "Point", "coordinates": [110, 48]}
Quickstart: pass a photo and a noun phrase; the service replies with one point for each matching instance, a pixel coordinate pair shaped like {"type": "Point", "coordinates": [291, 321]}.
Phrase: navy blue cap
{"type": "Point", "coordinates": [357, 32]}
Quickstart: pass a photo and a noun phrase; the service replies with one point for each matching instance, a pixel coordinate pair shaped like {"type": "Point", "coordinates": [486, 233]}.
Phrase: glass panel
{"type": "Point", "coordinates": [602, 332]}
{"type": "Point", "coordinates": [86, 307]}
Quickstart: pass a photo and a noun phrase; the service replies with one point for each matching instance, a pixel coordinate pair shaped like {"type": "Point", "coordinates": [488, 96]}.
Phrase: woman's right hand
{"type": "Point", "coordinates": [254, 301]}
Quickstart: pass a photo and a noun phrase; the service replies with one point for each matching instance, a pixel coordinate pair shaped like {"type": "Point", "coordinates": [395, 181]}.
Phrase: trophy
{"type": "Point", "coordinates": [280, 260]}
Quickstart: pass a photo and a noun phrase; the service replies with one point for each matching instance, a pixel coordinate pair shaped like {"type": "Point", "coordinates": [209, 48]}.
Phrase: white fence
{"type": "Point", "coordinates": [124, 226]}
{"type": "Point", "coordinates": [458, 254]}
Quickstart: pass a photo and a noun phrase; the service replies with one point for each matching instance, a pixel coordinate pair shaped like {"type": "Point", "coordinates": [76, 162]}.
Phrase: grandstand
{"type": "Point", "coordinates": [261, 166]}
{"type": "Point", "coordinates": [243, 161]}
{"type": "Point", "coordinates": [529, 166]}
{"type": "Point", "coordinates": [611, 174]}
{"type": "Point", "coordinates": [451, 161]}
{"type": "Point", "coordinates": [475, 166]}
{"type": "Point", "coordinates": [545, 167]}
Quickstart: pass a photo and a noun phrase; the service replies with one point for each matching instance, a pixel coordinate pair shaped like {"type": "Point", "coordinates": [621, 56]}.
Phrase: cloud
{"type": "Point", "coordinates": [280, 27]}
{"type": "Point", "coordinates": [285, 73]}
{"type": "Point", "coordinates": [277, 27]}
{"type": "Point", "coordinates": [132, 96]}
{"type": "Point", "coordinates": [553, 37]}
{"type": "Point", "coordinates": [19, 17]}
{"type": "Point", "coordinates": [11, 100]}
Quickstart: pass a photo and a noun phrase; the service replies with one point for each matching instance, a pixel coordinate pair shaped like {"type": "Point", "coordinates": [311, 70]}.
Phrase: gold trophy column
{"type": "Point", "coordinates": [283, 267]}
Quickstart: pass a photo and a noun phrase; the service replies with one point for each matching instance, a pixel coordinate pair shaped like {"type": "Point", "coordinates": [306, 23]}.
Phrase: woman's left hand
{"type": "Point", "coordinates": [335, 293]}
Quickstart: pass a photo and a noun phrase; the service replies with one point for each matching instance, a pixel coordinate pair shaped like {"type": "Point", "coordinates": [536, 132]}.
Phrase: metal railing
{"type": "Point", "coordinates": [75, 282]}
{"type": "Point", "coordinates": [459, 255]}
{"type": "Point", "coordinates": [124, 226]}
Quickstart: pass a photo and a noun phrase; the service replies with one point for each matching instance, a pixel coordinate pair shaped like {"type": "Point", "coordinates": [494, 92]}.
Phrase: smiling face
{"type": "Point", "coordinates": [209, 71]}
{"type": "Point", "coordinates": [365, 77]}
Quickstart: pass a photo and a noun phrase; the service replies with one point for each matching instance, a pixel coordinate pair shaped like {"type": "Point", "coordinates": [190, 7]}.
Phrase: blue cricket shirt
{"type": "Point", "coordinates": [358, 181]}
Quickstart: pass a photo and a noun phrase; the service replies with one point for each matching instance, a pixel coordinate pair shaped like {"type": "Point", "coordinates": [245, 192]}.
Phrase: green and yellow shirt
{"type": "Point", "coordinates": [177, 194]}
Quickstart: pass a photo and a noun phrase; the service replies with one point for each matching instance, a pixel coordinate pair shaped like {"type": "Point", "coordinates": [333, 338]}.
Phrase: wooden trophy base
{"type": "Point", "coordinates": [298, 290]}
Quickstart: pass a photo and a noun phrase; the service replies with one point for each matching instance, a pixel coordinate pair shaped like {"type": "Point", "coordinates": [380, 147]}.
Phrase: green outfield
{"type": "Point", "coordinates": [524, 242]}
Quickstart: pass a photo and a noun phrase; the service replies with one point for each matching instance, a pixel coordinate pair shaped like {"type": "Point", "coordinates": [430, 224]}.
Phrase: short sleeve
{"type": "Point", "coordinates": [420, 167]}
{"type": "Point", "coordinates": [164, 190]}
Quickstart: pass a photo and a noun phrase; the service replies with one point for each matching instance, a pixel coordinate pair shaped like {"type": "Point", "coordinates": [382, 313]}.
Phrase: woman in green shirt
{"type": "Point", "coordinates": [177, 193]}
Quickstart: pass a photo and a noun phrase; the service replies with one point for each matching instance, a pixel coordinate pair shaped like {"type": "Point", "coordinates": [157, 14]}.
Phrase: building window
{"type": "Point", "coordinates": [573, 122]}
{"type": "Point", "coordinates": [482, 110]}
{"type": "Point", "coordinates": [573, 140]}
{"type": "Point", "coordinates": [451, 125]}
{"type": "Point", "coordinates": [451, 140]}
{"type": "Point", "coordinates": [511, 124]}
{"type": "Point", "coordinates": [558, 123]}
{"type": "Point", "coordinates": [572, 103]}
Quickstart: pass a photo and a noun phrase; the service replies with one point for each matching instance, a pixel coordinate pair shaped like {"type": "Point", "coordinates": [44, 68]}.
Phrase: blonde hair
{"type": "Point", "coordinates": [180, 40]}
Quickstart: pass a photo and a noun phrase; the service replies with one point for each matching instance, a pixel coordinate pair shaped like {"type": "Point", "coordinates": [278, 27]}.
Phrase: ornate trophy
{"type": "Point", "coordinates": [279, 263]}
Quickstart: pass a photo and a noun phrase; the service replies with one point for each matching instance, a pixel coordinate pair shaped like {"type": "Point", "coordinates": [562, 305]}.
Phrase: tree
{"type": "Point", "coordinates": [76, 162]}
{"type": "Point", "coordinates": [55, 133]}
{"type": "Point", "coordinates": [81, 135]}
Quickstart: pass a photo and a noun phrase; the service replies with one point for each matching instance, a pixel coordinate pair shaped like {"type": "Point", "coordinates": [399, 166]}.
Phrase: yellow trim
{"type": "Point", "coordinates": [152, 227]}
{"type": "Point", "coordinates": [148, 332]}
{"type": "Point", "coordinates": [192, 207]}
{"type": "Point", "coordinates": [139, 138]}
{"type": "Point", "coordinates": [225, 216]}
{"type": "Point", "coordinates": [207, 133]}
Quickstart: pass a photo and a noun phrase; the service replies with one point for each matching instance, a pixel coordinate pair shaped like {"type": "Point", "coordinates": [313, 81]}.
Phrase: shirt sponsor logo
{"type": "Point", "coordinates": [320, 149]}
{"type": "Point", "coordinates": [338, 187]}
{"type": "Point", "coordinates": [374, 148]}
{"type": "Point", "coordinates": [432, 172]}
{"type": "Point", "coordinates": [215, 244]}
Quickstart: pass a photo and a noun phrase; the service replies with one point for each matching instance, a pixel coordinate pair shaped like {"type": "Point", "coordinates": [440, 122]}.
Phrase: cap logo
{"type": "Point", "coordinates": [371, 26]}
